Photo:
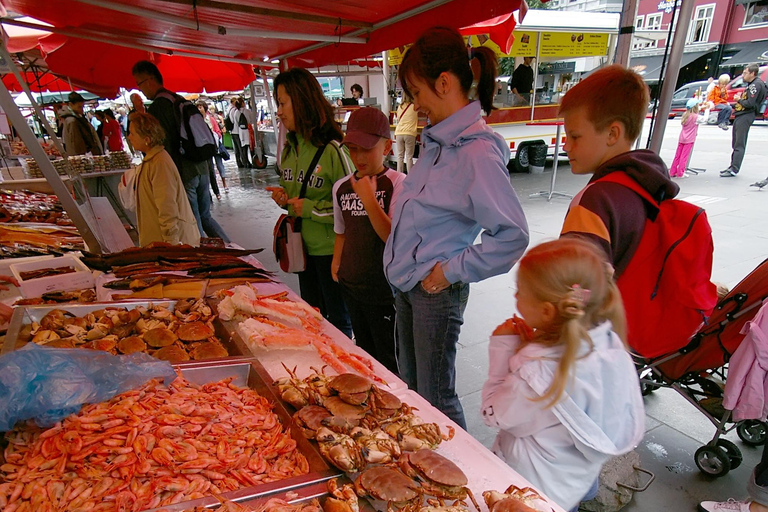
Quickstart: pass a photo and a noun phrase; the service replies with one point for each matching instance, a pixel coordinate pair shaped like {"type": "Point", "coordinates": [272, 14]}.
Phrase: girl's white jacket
{"type": "Point", "coordinates": [561, 449]}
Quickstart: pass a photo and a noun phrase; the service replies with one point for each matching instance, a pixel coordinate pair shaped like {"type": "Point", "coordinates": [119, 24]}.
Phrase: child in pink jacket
{"type": "Point", "coordinates": [686, 140]}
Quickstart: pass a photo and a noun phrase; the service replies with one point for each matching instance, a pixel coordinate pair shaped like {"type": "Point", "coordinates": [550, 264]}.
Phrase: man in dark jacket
{"type": "Point", "coordinates": [79, 135]}
{"type": "Point", "coordinates": [745, 111]}
{"type": "Point", "coordinates": [194, 175]}
{"type": "Point", "coordinates": [521, 83]}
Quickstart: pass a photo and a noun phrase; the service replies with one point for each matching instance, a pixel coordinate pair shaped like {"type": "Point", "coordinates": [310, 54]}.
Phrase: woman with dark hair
{"type": "Point", "coordinates": [308, 118]}
{"type": "Point", "coordinates": [458, 188]}
{"type": "Point", "coordinates": [112, 136]}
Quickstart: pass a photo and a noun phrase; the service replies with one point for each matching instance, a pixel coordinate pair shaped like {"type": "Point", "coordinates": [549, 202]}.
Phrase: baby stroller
{"type": "Point", "coordinates": [699, 369]}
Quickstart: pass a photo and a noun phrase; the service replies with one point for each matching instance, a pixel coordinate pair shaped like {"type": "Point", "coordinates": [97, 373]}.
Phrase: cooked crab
{"type": "Point", "coordinates": [377, 446]}
{"type": "Point", "coordinates": [194, 331]}
{"type": "Point", "coordinates": [337, 407]}
{"type": "Point", "coordinates": [384, 404]}
{"type": "Point", "coordinates": [131, 344]}
{"type": "Point", "coordinates": [516, 499]}
{"type": "Point", "coordinates": [342, 498]}
{"type": "Point", "coordinates": [208, 350]}
{"type": "Point", "coordinates": [293, 390]}
{"type": "Point", "coordinates": [54, 319]}
{"type": "Point", "coordinates": [351, 388]}
{"type": "Point", "coordinates": [340, 450]}
{"type": "Point", "coordinates": [172, 353]}
{"type": "Point", "coordinates": [439, 477]}
{"type": "Point", "coordinates": [389, 485]}
{"type": "Point", "coordinates": [159, 337]}
{"type": "Point", "coordinates": [413, 434]}
{"type": "Point", "coordinates": [310, 419]}
{"type": "Point", "coordinates": [107, 344]}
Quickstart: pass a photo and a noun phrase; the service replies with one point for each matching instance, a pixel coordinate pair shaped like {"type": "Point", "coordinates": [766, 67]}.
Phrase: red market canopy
{"type": "Point", "coordinates": [304, 32]}
{"type": "Point", "coordinates": [101, 63]}
{"type": "Point", "coordinates": [499, 29]}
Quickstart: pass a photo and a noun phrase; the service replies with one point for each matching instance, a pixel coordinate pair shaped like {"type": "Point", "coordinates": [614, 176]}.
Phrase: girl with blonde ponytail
{"type": "Point", "coordinates": [562, 388]}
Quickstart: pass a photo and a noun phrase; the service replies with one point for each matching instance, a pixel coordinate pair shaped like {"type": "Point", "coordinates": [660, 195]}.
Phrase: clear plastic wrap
{"type": "Point", "coordinates": [49, 384]}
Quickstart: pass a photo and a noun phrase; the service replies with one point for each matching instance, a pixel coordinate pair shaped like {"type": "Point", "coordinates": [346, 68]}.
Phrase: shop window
{"type": "Point", "coordinates": [756, 13]}
{"type": "Point", "coordinates": [701, 24]}
{"type": "Point", "coordinates": [652, 22]}
{"type": "Point", "coordinates": [637, 44]}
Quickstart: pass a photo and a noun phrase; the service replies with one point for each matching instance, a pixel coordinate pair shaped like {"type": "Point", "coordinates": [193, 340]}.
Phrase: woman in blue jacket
{"type": "Point", "coordinates": [458, 188]}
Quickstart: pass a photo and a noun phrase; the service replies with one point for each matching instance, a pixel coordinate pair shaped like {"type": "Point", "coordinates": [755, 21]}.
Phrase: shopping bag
{"type": "Point", "coordinates": [223, 153]}
{"type": "Point", "coordinates": [126, 189]}
{"type": "Point", "coordinates": [288, 246]}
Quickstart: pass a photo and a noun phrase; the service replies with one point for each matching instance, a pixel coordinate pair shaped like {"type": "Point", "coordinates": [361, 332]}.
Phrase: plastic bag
{"type": "Point", "coordinates": [49, 384]}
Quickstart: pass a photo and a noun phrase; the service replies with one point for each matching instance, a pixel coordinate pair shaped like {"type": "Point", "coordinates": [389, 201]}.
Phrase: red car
{"type": "Point", "coordinates": [736, 87]}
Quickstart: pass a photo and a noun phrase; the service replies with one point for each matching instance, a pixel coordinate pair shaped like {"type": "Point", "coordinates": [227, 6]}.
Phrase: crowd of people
{"type": "Point", "coordinates": [391, 255]}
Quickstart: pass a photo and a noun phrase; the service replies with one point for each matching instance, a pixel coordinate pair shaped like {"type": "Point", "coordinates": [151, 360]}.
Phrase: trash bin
{"type": "Point", "coordinates": [537, 158]}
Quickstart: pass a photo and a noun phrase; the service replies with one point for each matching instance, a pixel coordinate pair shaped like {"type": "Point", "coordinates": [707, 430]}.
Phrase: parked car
{"type": "Point", "coordinates": [736, 86]}
{"type": "Point", "coordinates": [684, 93]}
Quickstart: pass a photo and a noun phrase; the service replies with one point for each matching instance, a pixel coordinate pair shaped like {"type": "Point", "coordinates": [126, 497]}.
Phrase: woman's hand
{"type": "Point", "coordinates": [9, 280]}
{"type": "Point", "coordinates": [298, 205]}
{"type": "Point", "coordinates": [5, 313]}
{"type": "Point", "coordinates": [278, 195]}
{"type": "Point", "coordinates": [435, 282]}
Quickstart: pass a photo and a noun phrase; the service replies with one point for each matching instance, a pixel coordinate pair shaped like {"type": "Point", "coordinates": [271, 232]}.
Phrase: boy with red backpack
{"type": "Point", "coordinates": [661, 248]}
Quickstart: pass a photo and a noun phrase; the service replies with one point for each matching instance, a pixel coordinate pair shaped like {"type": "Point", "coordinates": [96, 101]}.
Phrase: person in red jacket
{"type": "Point", "coordinates": [718, 97]}
{"type": "Point", "coordinates": [113, 138]}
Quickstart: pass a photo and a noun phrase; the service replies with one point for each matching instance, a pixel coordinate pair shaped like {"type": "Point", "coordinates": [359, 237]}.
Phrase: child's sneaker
{"type": "Point", "coordinates": [724, 506]}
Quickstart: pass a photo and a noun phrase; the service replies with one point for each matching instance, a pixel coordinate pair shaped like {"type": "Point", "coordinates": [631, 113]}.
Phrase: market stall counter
{"type": "Point", "coordinates": [342, 409]}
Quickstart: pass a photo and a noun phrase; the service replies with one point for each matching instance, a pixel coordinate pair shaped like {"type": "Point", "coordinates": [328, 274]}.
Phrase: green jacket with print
{"type": "Point", "coordinates": [317, 211]}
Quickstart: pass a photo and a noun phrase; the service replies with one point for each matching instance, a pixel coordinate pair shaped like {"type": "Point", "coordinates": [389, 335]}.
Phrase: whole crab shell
{"type": "Point", "coordinates": [194, 331]}
{"type": "Point", "coordinates": [350, 383]}
{"type": "Point", "coordinates": [437, 468]}
{"type": "Point", "coordinates": [172, 353]}
{"type": "Point", "coordinates": [388, 484]}
{"type": "Point", "coordinates": [131, 344]}
{"type": "Point", "coordinates": [312, 416]}
{"type": "Point", "coordinates": [208, 350]}
{"type": "Point", "coordinates": [159, 337]}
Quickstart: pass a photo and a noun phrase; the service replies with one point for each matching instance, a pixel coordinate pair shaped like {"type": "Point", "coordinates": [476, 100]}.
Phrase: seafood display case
{"type": "Point", "coordinates": [24, 316]}
{"type": "Point", "coordinates": [248, 372]}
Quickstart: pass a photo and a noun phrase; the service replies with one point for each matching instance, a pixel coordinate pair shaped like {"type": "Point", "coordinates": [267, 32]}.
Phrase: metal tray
{"type": "Point", "coordinates": [299, 495]}
{"type": "Point", "coordinates": [25, 315]}
{"type": "Point", "coordinates": [250, 373]}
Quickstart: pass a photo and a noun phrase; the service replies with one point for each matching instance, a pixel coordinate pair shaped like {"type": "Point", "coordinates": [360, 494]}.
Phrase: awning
{"type": "Point", "coordinates": [650, 67]}
{"type": "Point", "coordinates": [750, 53]}
{"type": "Point", "coordinates": [305, 32]}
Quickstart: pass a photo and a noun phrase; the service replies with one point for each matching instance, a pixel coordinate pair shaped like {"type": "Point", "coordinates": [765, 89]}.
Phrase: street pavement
{"type": "Point", "coordinates": [674, 429]}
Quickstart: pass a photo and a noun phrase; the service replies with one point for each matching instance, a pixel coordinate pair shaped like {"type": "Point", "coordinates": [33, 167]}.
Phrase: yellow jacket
{"type": "Point", "coordinates": [407, 120]}
{"type": "Point", "coordinates": [162, 207]}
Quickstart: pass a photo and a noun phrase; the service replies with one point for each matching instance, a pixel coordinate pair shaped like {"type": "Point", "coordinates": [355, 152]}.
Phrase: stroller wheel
{"type": "Point", "coordinates": [752, 432]}
{"type": "Point", "coordinates": [712, 460]}
{"type": "Point", "coordinates": [734, 454]}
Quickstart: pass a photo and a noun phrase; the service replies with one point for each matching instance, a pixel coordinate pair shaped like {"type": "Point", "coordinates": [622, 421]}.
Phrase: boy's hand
{"type": "Point", "coordinates": [365, 188]}
{"type": "Point", "coordinates": [514, 326]}
{"type": "Point", "coordinates": [278, 195]}
{"type": "Point", "coordinates": [335, 271]}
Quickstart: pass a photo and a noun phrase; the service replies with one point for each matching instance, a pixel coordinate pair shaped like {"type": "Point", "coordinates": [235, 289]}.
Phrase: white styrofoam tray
{"type": "Point", "coordinates": [484, 470]}
{"type": "Point", "coordinates": [80, 279]}
{"type": "Point", "coordinates": [304, 358]}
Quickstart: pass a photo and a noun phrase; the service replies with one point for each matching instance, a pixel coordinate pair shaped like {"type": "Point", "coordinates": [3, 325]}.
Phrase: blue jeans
{"type": "Point", "coordinates": [427, 332]}
{"type": "Point", "coordinates": [200, 200]}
